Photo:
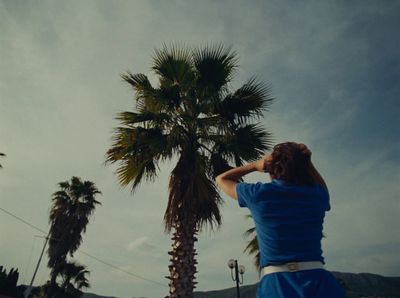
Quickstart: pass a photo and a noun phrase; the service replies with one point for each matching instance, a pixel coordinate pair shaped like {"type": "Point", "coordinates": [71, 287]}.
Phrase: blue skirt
{"type": "Point", "coordinates": [316, 283]}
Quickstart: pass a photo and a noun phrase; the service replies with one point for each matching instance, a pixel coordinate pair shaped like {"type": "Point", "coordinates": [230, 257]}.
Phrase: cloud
{"type": "Point", "coordinates": [332, 66]}
{"type": "Point", "coordinates": [142, 245]}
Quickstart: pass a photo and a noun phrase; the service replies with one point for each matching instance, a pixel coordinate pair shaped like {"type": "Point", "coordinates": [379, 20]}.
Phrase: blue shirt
{"type": "Point", "coordinates": [288, 219]}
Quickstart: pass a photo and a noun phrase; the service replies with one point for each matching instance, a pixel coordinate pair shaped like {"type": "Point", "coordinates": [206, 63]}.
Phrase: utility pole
{"type": "Point", "coordinates": [28, 292]}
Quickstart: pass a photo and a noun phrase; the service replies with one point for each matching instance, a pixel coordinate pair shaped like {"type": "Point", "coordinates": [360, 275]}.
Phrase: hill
{"type": "Point", "coordinates": [357, 285]}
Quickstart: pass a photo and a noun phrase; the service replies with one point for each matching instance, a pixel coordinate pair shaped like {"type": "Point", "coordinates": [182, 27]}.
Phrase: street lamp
{"type": "Point", "coordinates": [238, 269]}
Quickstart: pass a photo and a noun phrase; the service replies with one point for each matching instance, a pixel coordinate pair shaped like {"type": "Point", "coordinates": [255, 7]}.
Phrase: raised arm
{"type": "Point", "coordinates": [227, 181]}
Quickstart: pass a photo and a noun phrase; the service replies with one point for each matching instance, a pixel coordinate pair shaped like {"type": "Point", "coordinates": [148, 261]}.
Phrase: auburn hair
{"type": "Point", "coordinates": [291, 164]}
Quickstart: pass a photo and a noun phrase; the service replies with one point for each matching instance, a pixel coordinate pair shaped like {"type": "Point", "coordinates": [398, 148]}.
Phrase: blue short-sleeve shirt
{"type": "Point", "coordinates": [288, 219]}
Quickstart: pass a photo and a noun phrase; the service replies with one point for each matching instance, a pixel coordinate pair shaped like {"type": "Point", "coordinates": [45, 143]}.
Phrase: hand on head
{"type": "Point", "coordinates": [304, 149]}
{"type": "Point", "coordinates": [262, 165]}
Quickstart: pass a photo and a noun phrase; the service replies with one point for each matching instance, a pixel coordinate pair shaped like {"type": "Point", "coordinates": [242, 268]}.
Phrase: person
{"type": "Point", "coordinates": [288, 213]}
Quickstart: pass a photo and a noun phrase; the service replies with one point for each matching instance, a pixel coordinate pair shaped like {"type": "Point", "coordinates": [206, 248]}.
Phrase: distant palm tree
{"type": "Point", "coordinates": [1, 154]}
{"type": "Point", "coordinates": [72, 279]}
{"type": "Point", "coordinates": [72, 207]}
{"type": "Point", "coordinates": [193, 117]}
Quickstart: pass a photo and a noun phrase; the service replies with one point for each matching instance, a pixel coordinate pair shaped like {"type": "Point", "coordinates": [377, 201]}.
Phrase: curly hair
{"type": "Point", "coordinates": [291, 164]}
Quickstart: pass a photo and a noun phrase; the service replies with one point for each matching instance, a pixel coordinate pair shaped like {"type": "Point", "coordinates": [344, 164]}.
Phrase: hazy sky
{"type": "Point", "coordinates": [334, 69]}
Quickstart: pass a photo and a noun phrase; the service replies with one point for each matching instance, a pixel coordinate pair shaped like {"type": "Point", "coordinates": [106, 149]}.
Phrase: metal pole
{"type": "Point", "coordinates": [237, 279]}
{"type": "Point", "coordinates": [28, 292]}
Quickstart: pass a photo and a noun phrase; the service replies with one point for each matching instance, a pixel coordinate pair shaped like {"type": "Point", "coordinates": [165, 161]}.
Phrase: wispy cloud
{"type": "Point", "coordinates": [141, 244]}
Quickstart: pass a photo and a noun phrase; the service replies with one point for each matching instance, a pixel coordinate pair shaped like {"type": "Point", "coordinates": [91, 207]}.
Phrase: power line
{"type": "Point", "coordinates": [24, 221]}
{"type": "Point", "coordinates": [118, 268]}
{"type": "Point", "coordinates": [86, 253]}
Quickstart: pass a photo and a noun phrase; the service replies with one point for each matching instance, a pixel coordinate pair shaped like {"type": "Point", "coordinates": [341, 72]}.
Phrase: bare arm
{"type": "Point", "coordinates": [227, 181]}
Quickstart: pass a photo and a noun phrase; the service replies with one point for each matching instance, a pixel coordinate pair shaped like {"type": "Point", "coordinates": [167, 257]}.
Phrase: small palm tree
{"type": "Point", "coordinates": [193, 117]}
{"type": "Point", "coordinates": [72, 207]}
{"type": "Point", "coordinates": [72, 279]}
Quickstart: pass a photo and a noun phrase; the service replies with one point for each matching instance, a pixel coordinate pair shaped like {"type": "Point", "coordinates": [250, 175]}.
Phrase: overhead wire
{"type": "Point", "coordinates": [23, 220]}
{"type": "Point", "coordinates": [86, 253]}
{"type": "Point", "coordinates": [120, 269]}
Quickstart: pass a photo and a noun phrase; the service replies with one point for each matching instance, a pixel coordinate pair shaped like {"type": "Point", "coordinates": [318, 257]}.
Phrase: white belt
{"type": "Point", "coordinates": [292, 267]}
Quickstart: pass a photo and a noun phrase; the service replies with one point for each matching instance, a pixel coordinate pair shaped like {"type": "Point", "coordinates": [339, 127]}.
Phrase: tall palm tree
{"type": "Point", "coordinates": [191, 117]}
{"type": "Point", "coordinates": [72, 207]}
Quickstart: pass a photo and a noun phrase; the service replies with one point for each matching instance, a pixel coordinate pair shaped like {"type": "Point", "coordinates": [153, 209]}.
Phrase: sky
{"type": "Point", "coordinates": [334, 69]}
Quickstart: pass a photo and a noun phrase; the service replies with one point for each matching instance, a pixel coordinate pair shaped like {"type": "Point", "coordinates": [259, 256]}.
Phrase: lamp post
{"type": "Point", "coordinates": [238, 270]}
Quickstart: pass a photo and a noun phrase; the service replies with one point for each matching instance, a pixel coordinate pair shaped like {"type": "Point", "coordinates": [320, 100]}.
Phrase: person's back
{"type": "Point", "coordinates": [288, 220]}
{"type": "Point", "coordinates": [289, 215]}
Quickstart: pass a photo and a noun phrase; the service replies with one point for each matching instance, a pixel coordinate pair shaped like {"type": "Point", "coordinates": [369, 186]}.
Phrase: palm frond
{"type": "Point", "coordinates": [74, 277]}
{"type": "Point", "coordinates": [246, 103]}
{"type": "Point", "coordinates": [131, 171]}
{"type": "Point", "coordinates": [252, 247]}
{"type": "Point", "coordinates": [173, 64]}
{"type": "Point", "coordinates": [249, 232]}
{"type": "Point", "coordinates": [139, 82]}
{"type": "Point", "coordinates": [170, 96]}
{"type": "Point", "coordinates": [136, 142]}
{"type": "Point", "coordinates": [147, 98]}
{"type": "Point", "coordinates": [215, 66]}
{"type": "Point", "coordinates": [138, 150]}
{"type": "Point", "coordinates": [130, 119]}
{"type": "Point", "coordinates": [246, 143]}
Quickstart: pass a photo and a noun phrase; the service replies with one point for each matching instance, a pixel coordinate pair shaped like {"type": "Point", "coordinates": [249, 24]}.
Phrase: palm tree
{"type": "Point", "coordinates": [72, 280]}
{"type": "Point", "coordinates": [191, 117]}
{"type": "Point", "coordinates": [72, 207]}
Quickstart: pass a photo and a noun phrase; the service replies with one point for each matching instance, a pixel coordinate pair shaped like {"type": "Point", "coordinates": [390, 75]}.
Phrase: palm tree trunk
{"type": "Point", "coordinates": [183, 263]}
{"type": "Point", "coordinates": [53, 282]}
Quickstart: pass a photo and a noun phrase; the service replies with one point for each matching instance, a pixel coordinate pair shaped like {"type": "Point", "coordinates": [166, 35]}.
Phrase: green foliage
{"type": "Point", "coordinates": [8, 282]}
{"type": "Point", "coordinates": [192, 115]}
{"type": "Point", "coordinates": [252, 247]}
{"type": "Point", "coordinates": [72, 208]}
{"type": "Point", "coordinates": [71, 280]}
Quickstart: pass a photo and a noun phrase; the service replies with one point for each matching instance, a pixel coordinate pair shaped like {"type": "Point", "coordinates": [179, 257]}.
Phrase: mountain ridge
{"type": "Point", "coordinates": [357, 285]}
